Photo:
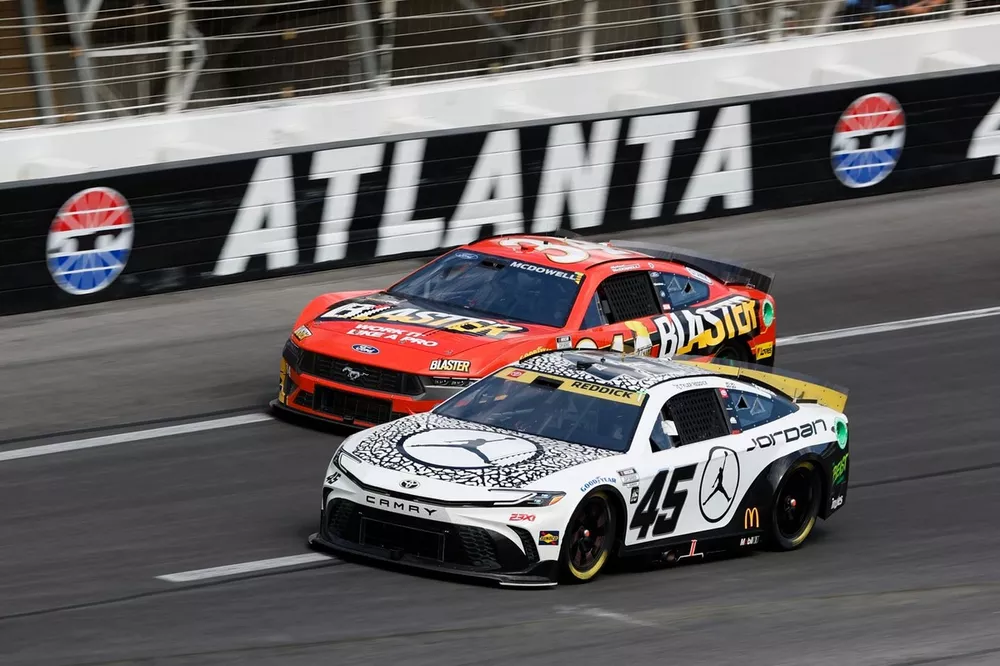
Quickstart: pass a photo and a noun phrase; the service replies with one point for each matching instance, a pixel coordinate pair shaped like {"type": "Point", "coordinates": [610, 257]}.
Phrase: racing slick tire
{"type": "Point", "coordinates": [733, 351]}
{"type": "Point", "coordinates": [590, 537]}
{"type": "Point", "coordinates": [796, 506]}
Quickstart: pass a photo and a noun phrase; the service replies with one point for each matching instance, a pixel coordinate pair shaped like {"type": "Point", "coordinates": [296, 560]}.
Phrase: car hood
{"type": "Point", "coordinates": [381, 320]}
{"type": "Point", "coordinates": [466, 456]}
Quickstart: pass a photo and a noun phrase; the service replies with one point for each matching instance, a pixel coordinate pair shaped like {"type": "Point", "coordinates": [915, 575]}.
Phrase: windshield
{"type": "Point", "coordinates": [594, 415]}
{"type": "Point", "coordinates": [503, 288]}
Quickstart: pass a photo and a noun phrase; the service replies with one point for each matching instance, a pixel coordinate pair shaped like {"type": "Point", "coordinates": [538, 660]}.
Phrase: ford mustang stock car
{"type": "Point", "coordinates": [363, 358]}
{"type": "Point", "coordinates": [545, 469]}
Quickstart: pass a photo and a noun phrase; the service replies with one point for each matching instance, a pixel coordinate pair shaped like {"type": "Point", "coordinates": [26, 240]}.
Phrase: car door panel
{"type": "Point", "coordinates": [699, 483]}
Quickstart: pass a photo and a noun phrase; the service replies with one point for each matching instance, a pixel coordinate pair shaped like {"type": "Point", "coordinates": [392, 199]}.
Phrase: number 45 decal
{"type": "Point", "coordinates": [986, 138]}
{"type": "Point", "coordinates": [662, 518]}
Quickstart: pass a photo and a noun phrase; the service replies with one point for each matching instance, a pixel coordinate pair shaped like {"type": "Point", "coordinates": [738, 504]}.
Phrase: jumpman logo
{"type": "Point", "coordinates": [718, 483]}
{"type": "Point", "coordinates": [470, 445]}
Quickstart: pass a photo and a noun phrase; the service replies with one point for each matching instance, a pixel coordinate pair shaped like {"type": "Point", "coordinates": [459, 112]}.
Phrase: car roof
{"type": "Point", "coordinates": [629, 372]}
{"type": "Point", "coordinates": [509, 247]}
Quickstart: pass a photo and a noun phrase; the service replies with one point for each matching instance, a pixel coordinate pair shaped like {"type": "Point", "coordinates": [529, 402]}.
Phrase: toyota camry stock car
{"type": "Point", "coordinates": [367, 357]}
{"type": "Point", "coordinates": [546, 468]}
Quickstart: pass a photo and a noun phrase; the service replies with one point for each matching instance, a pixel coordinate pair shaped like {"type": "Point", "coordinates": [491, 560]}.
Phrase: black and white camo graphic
{"type": "Point", "coordinates": [635, 373]}
{"type": "Point", "coordinates": [385, 448]}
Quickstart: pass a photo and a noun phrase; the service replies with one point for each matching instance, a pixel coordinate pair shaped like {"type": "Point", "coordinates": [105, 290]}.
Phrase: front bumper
{"type": "Point", "coordinates": [316, 392]}
{"type": "Point", "coordinates": [433, 546]}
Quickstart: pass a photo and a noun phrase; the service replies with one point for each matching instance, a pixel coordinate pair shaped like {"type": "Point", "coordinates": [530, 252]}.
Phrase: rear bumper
{"type": "Point", "coordinates": [432, 546]}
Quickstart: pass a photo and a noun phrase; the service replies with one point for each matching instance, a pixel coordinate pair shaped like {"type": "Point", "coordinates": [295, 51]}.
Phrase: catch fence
{"type": "Point", "coordinates": [71, 60]}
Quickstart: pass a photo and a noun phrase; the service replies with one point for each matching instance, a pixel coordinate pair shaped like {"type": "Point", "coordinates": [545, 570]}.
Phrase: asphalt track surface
{"type": "Point", "coordinates": [908, 573]}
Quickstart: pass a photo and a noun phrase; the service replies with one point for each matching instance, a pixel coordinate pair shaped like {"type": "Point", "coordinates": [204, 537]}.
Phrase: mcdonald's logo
{"type": "Point", "coordinates": [751, 518]}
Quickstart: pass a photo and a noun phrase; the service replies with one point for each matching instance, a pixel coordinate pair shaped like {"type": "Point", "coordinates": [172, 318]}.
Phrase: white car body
{"type": "Point", "coordinates": [434, 479]}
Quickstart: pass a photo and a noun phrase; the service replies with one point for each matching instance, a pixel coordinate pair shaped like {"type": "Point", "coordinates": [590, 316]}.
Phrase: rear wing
{"type": "Point", "coordinates": [724, 271]}
{"type": "Point", "coordinates": [796, 387]}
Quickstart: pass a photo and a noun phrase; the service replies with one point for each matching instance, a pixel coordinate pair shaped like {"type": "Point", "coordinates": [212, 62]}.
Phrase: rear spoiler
{"type": "Point", "coordinates": [724, 271]}
{"type": "Point", "coordinates": [793, 386]}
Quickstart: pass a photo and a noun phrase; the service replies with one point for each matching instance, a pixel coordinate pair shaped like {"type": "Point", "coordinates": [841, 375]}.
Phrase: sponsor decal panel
{"type": "Point", "coordinates": [366, 311]}
{"type": "Point", "coordinates": [521, 517]}
{"type": "Point", "coordinates": [629, 476]}
{"type": "Point", "coordinates": [548, 538]}
{"type": "Point", "coordinates": [750, 541]}
{"type": "Point", "coordinates": [597, 481]}
{"type": "Point", "coordinates": [706, 327]}
{"type": "Point", "coordinates": [789, 435]}
{"type": "Point", "coordinates": [536, 350]}
{"type": "Point", "coordinates": [692, 552]}
{"type": "Point", "coordinates": [839, 469]}
{"type": "Point", "coordinates": [751, 518]}
{"type": "Point", "coordinates": [836, 502]}
{"type": "Point", "coordinates": [601, 391]}
{"type": "Point", "coordinates": [555, 272]}
{"type": "Point", "coordinates": [393, 334]}
{"type": "Point", "coordinates": [301, 333]}
{"type": "Point", "coordinates": [449, 365]}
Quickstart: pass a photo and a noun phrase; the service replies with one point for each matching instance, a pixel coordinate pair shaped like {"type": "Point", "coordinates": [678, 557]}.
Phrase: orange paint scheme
{"type": "Point", "coordinates": [364, 357]}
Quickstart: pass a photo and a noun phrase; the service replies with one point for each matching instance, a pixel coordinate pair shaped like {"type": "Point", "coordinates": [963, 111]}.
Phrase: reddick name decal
{"type": "Point", "coordinates": [425, 194]}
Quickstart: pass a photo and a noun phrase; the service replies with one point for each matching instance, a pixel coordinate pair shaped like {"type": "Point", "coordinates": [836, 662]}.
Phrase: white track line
{"type": "Point", "coordinates": [888, 326]}
{"type": "Point", "coordinates": [201, 426]}
{"type": "Point", "coordinates": [135, 436]}
{"type": "Point", "coordinates": [244, 568]}
{"type": "Point", "coordinates": [262, 565]}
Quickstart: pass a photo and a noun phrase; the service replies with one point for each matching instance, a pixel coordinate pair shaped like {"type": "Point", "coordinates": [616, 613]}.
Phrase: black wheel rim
{"type": "Point", "coordinates": [728, 356]}
{"type": "Point", "coordinates": [795, 503]}
{"type": "Point", "coordinates": [589, 534]}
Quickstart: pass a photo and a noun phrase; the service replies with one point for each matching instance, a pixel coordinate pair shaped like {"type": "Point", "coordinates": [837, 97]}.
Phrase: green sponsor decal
{"type": "Point", "coordinates": [839, 469]}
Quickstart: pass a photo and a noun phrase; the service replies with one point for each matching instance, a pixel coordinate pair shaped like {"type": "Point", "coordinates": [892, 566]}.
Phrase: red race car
{"type": "Point", "coordinates": [366, 357]}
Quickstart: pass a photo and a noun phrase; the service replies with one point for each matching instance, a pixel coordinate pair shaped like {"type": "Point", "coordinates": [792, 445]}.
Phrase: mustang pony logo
{"type": "Point", "coordinates": [352, 374]}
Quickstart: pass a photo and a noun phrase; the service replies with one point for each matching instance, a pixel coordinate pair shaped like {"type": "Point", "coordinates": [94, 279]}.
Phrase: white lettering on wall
{"type": "Point", "coordinates": [658, 133]}
{"type": "Point", "coordinates": [398, 232]}
{"type": "Point", "coordinates": [724, 166]}
{"type": "Point", "coordinates": [576, 175]}
{"type": "Point", "coordinates": [492, 194]}
{"type": "Point", "coordinates": [265, 222]}
{"type": "Point", "coordinates": [342, 168]}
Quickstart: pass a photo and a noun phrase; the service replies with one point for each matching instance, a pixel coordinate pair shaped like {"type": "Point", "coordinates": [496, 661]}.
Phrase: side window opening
{"type": "Point", "coordinates": [628, 296]}
{"type": "Point", "coordinates": [749, 410]}
{"type": "Point", "coordinates": [594, 316]}
{"type": "Point", "coordinates": [677, 290]}
{"type": "Point", "coordinates": [664, 435]}
{"type": "Point", "coordinates": [694, 416]}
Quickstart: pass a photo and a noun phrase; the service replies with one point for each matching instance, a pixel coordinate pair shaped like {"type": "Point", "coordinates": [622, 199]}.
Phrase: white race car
{"type": "Point", "coordinates": [543, 470]}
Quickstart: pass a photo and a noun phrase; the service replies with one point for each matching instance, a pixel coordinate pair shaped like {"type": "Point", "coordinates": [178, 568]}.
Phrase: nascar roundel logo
{"type": "Point", "coordinates": [90, 240]}
{"type": "Point", "coordinates": [868, 140]}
